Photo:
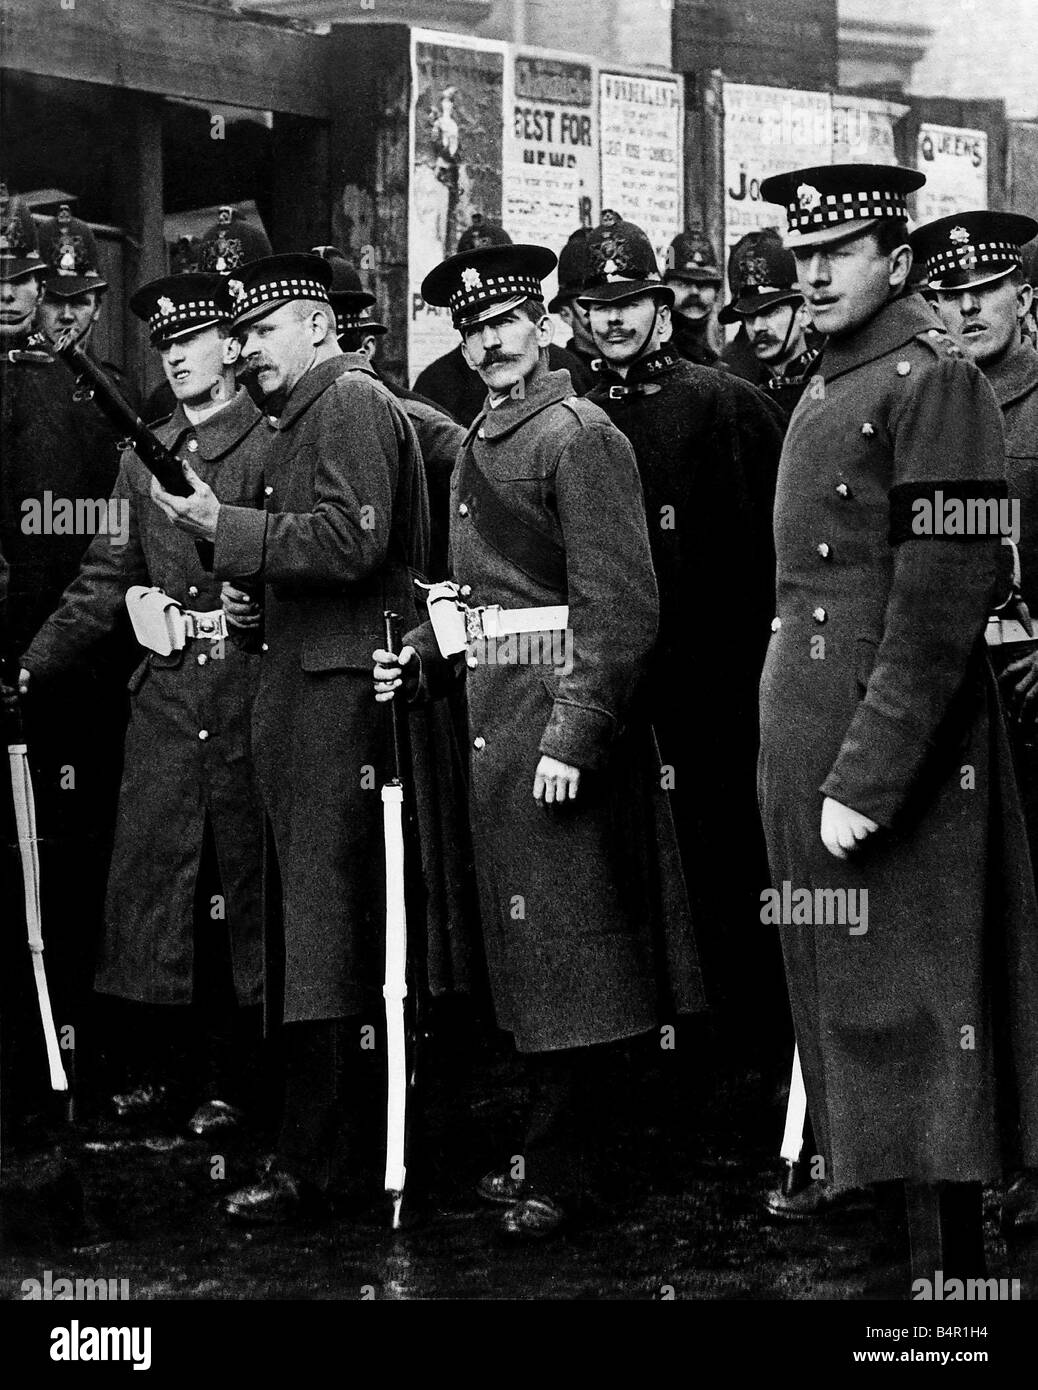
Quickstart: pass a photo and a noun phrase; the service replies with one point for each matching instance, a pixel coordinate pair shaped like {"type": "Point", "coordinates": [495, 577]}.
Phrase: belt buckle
{"type": "Point", "coordinates": [617, 393]}
{"type": "Point", "coordinates": [211, 627]}
{"type": "Point", "coordinates": [474, 631]}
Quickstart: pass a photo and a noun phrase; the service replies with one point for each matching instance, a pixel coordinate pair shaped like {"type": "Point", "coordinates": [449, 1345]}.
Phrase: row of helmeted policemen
{"type": "Point", "coordinates": [610, 792]}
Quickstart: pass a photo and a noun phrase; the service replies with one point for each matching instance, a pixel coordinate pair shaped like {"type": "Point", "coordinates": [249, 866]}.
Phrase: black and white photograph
{"type": "Point", "coordinates": [519, 674]}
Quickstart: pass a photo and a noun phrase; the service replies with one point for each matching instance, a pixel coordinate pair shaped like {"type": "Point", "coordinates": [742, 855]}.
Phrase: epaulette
{"type": "Point", "coordinates": [586, 411]}
{"type": "Point", "coordinates": [940, 342]}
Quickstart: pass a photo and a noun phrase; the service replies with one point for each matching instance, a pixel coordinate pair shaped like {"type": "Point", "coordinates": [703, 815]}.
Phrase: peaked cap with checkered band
{"type": "Point", "coordinates": [970, 249]}
{"type": "Point", "coordinates": [260, 287]}
{"type": "Point", "coordinates": [176, 305]}
{"type": "Point", "coordinates": [830, 202]}
{"type": "Point", "coordinates": [481, 284]}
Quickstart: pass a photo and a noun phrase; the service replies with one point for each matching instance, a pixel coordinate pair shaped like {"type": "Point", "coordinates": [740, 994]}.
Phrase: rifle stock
{"type": "Point", "coordinates": [161, 462]}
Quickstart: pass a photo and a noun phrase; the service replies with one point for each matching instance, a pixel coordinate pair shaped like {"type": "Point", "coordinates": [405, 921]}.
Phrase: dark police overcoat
{"type": "Point", "coordinates": [584, 913]}
{"type": "Point", "coordinates": [57, 450]}
{"type": "Point", "coordinates": [346, 517]}
{"type": "Point", "coordinates": [188, 755]}
{"type": "Point", "coordinates": [707, 447]}
{"type": "Point", "coordinates": [918, 1037]}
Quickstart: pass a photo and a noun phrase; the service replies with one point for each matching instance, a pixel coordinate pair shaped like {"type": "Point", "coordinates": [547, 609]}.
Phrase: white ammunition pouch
{"type": "Point", "coordinates": [162, 625]}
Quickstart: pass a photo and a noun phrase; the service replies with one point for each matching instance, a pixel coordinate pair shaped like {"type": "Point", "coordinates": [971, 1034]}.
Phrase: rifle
{"type": "Point", "coordinates": [160, 462]}
{"type": "Point", "coordinates": [401, 1000]}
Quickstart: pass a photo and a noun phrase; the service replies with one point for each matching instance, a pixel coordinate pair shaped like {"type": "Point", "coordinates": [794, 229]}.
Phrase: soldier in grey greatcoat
{"type": "Point", "coordinates": [583, 906]}
{"type": "Point", "coordinates": [974, 268]}
{"type": "Point", "coordinates": [902, 885]}
{"type": "Point", "coordinates": [182, 914]}
{"type": "Point", "coordinates": [344, 521]}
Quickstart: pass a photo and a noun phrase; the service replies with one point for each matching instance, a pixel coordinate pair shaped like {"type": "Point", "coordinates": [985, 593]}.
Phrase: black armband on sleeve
{"type": "Point", "coordinates": [958, 510]}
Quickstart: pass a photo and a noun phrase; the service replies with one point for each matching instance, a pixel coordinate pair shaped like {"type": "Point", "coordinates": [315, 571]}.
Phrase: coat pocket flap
{"type": "Point", "coordinates": [339, 651]}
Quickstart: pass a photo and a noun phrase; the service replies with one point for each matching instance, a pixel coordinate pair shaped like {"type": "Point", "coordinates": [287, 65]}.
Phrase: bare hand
{"type": "Point", "coordinates": [10, 695]}
{"type": "Point", "coordinates": [241, 608]}
{"type": "Point", "coordinates": [555, 781]}
{"type": "Point", "coordinates": [393, 671]}
{"type": "Point", "coordinates": [843, 829]}
{"type": "Point", "coordinates": [197, 514]}
{"type": "Point", "coordinates": [1019, 683]}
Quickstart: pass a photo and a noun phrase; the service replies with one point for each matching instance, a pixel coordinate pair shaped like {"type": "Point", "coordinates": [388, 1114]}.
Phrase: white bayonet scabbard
{"type": "Point", "coordinates": [394, 991]}
{"type": "Point", "coordinates": [28, 849]}
{"type": "Point", "coordinates": [796, 1113]}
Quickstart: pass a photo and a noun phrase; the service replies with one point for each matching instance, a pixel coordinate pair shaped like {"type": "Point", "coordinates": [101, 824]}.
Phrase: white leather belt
{"type": "Point", "coordinates": [457, 626]}
{"type": "Point", "coordinates": [502, 622]}
{"type": "Point", "coordinates": [1001, 632]}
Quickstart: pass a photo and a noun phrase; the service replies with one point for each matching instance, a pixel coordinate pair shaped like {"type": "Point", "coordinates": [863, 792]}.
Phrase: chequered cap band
{"type": "Point", "coordinates": [476, 289]}
{"type": "Point", "coordinates": [813, 209]}
{"type": "Point", "coordinates": [970, 255]}
{"type": "Point", "coordinates": [170, 317]}
{"type": "Point", "coordinates": [249, 297]}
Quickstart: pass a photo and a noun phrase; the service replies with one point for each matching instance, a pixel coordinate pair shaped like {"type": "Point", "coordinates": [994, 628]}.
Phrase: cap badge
{"type": "Point", "coordinates": [471, 278]}
{"type": "Point", "coordinates": [958, 235]}
{"type": "Point", "coordinates": [166, 305]}
{"type": "Point", "coordinates": [808, 196]}
{"type": "Point", "coordinates": [236, 290]}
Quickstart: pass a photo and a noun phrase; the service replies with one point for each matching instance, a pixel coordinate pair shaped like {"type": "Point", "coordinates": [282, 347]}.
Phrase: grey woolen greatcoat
{"type": "Point", "coordinates": [188, 749]}
{"type": "Point", "coordinates": [918, 1038]}
{"type": "Point", "coordinates": [584, 912]}
{"type": "Point", "coordinates": [346, 516]}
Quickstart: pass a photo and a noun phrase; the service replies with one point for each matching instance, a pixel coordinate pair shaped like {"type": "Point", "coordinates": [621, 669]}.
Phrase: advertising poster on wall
{"type": "Point", "coordinates": [955, 163]}
{"type": "Point", "coordinates": [768, 130]}
{"type": "Point", "coordinates": [642, 135]}
{"type": "Point", "coordinates": [457, 100]}
{"type": "Point", "coordinates": [551, 151]}
{"type": "Point", "coordinates": [863, 129]}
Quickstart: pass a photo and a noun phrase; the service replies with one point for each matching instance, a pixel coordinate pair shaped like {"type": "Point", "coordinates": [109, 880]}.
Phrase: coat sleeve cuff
{"type": "Point", "coordinates": [879, 763]}
{"type": "Point", "coordinates": [241, 534]}
{"type": "Point", "coordinates": [578, 735]}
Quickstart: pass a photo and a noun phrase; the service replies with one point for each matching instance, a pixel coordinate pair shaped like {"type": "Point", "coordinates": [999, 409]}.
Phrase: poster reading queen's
{"type": "Point", "coordinates": [955, 162]}
{"type": "Point", "coordinates": [457, 94]}
{"type": "Point", "coordinates": [642, 130]}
